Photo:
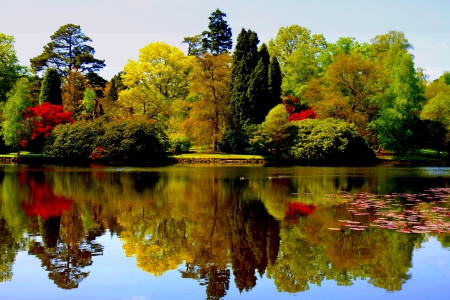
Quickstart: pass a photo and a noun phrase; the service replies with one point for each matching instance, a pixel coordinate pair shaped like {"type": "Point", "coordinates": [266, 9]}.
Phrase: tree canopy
{"type": "Point", "coordinates": [218, 38]}
{"type": "Point", "coordinates": [10, 70]}
{"type": "Point", "coordinates": [68, 50]}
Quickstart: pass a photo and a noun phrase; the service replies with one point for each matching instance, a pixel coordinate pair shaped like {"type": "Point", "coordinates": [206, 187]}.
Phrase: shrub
{"type": "Point", "coordinates": [130, 139]}
{"type": "Point", "coordinates": [329, 140]}
{"type": "Point", "coordinates": [179, 143]}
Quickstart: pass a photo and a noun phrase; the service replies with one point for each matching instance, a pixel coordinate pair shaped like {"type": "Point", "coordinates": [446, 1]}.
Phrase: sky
{"type": "Point", "coordinates": [119, 28]}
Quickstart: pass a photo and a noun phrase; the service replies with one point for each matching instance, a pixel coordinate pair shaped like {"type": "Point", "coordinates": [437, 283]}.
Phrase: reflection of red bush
{"type": "Point", "coordinates": [41, 201]}
{"type": "Point", "coordinates": [298, 209]}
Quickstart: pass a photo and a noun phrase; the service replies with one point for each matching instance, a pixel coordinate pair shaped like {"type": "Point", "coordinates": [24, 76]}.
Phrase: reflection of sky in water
{"type": "Point", "coordinates": [436, 171]}
{"type": "Point", "coordinates": [115, 276]}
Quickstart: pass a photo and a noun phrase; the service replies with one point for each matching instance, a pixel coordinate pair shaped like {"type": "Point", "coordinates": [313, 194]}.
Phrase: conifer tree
{"type": "Point", "coordinates": [257, 94]}
{"type": "Point", "coordinates": [245, 59]}
{"type": "Point", "coordinates": [274, 82]}
{"type": "Point", "coordinates": [51, 88]}
{"type": "Point", "coordinates": [218, 39]}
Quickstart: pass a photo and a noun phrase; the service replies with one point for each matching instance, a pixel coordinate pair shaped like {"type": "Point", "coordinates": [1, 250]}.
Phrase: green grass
{"type": "Point", "coordinates": [22, 154]}
{"type": "Point", "coordinates": [418, 155]}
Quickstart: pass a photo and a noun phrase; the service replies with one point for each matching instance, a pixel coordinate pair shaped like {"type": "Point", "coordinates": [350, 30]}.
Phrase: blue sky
{"type": "Point", "coordinates": [119, 28]}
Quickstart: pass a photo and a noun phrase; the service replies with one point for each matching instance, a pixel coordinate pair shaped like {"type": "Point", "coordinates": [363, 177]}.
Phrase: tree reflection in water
{"type": "Point", "coordinates": [217, 227]}
{"type": "Point", "coordinates": [64, 250]}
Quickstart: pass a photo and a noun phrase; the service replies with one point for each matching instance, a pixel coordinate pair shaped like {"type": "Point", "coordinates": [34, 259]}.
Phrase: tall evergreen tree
{"type": "Point", "coordinates": [218, 39]}
{"type": "Point", "coordinates": [274, 82]}
{"type": "Point", "coordinates": [51, 88]}
{"type": "Point", "coordinates": [245, 59]}
{"type": "Point", "coordinates": [66, 51]}
{"type": "Point", "coordinates": [257, 94]}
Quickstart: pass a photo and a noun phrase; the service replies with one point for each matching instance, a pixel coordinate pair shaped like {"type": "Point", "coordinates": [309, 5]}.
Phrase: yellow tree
{"type": "Point", "coordinates": [211, 81]}
{"type": "Point", "coordinates": [158, 78]}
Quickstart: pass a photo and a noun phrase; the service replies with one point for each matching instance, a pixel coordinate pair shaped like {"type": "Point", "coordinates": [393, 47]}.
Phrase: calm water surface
{"type": "Point", "coordinates": [224, 232]}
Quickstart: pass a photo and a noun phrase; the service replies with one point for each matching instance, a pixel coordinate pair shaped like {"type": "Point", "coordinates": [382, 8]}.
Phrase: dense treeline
{"type": "Point", "coordinates": [253, 98]}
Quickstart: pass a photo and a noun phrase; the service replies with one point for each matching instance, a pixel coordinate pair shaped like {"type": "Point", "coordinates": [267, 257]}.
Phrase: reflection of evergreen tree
{"type": "Point", "coordinates": [255, 234]}
{"type": "Point", "coordinates": [216, 280]}
{"type": "Point", "coordinates": [66, 250]}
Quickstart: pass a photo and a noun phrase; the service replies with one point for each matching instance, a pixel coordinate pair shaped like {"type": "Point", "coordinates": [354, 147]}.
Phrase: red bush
{"type": "Point", "coordinates": [304, 114]}
{"type": "Point", "coordinates": [44, 119]}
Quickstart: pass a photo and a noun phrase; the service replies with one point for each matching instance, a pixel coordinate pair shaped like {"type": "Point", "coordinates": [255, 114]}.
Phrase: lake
{"type": "Point", "coordinates": [224, 232]}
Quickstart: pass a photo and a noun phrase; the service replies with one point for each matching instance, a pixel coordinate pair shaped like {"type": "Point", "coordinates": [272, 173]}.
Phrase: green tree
{"type": "Point", "coordinates": [14, 128]}
{"type": "Point", "coordinates": [88, 100]}
{"type": "Point", "coordinates": [218, 38]}
{"type": "Point", "coordinates": [297, 52]}
{"type": "Point", "coordinates": [194, 44]}
{"type": "Point", "coordinates": [398, 117]}
{"type": "Point", "coordinates": [274, 127]}
{"type": "Point", "coordinates": [274, 82]}
{"type": "Point", "coordinates": [445, 78]}
{"type": "Point", "coordinates": [10, 70]}
{"type": "Point", "coordinates": [68, 50]}
{"type": "Point", "coordinates": [245, 59]}
{"type": "Point", "coordinates": [51, 88]}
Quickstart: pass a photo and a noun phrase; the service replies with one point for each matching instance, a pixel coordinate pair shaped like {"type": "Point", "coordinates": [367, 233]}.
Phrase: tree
{"type": "Point", "coordinates": [218, 39]}
{"type": "Point", "coordinates": [194, 44]}
{"type": "Point", "coordinates": [398, 117]}
{"type": "Point", "coordinates": [274, 81]}
{"type": "Point", "coordinates": [14, 127]}
{"type": "Point", "coordinates": [159, 76]}
{"type": "Point", "coordinates": [73, 89]}
{"type": "Point", "coordinates": [88, 100]}
{"type": "Point", "coordinates": [68, 51]}
{"type": "Point", "coordinates": [10, 70]}
{"type": "Point", "coordinates": [349, 90]}
{"type": "Point", "coordinates": [445, 78]}
{"type": "Point", "coordinates": [275, 129]}
{"type": "Point", "coordinates": [43, 119]}
{"type": "Point", "coordinates": [245, 59]}
{"type": "Point", "coordinates": [207, 115]}
{"type": "Point", "coordinates": [51, 88]}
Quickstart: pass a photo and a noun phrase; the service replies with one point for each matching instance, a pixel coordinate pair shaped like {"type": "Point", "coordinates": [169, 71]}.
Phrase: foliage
{"type": "Point", "coordinates": [274, 81]}
{"type": "Point", "coordinates": [51, 88]}
{"type": "Point", "coordinates": [208, 113]}
{"type": "Point", "coordinates": [68, 51]}
{"type": "Point", "coordinates": [129, 139]}
{"type": "Point", "coordinates": [329, 140]}
{"type": "Point", "coordinates": [297, 51]}
{"type": "Point", "coordinates": [304, 114]}
{"type": "Point", "coordinates": [88, 100]}
{"type": "Point", "coordinates": [73, 89]}
{"type": "Point", "coordinates": [218, 39]}
{"type": "Point", "coordinates": [14, 127]}
{"type": "Point", "coordinates": [274, 128]}
{"type": "Point", "coordinates": [158, 78]}
{"type": "Point", "coordinates": [179, 143]}
{"type": "Point", "coordinates": [399, 111]}
{"type": "Point", "coordinates": [194, 44]}
{"type": "Point", "coordinates": [44, 118]}
{"type": "Point", "coordinates": [349, 90]}
{"type": "Point", "coordinates": [10, 70]}
{"type": "Point", "coordinates": [245, 59]}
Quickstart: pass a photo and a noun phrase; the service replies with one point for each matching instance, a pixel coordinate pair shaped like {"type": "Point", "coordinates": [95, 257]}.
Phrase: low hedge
{"type": "Point", "coordinates": [129, 139]}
